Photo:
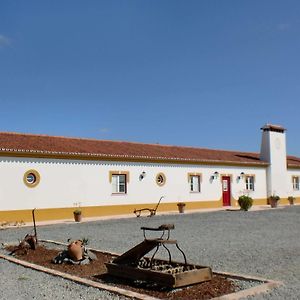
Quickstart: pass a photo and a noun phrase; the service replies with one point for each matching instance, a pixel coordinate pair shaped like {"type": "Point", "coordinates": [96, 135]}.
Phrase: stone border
{"type": "Point", "coordinates": [265, 285]}
{"type": "Point", "coordinates": [80, 280]}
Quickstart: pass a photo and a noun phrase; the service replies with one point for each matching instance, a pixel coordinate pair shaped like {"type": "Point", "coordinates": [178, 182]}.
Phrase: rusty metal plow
{"type": "Point", "coordinates": [161, 241]}
{"type": "Point", "coordinates": [152, 211]}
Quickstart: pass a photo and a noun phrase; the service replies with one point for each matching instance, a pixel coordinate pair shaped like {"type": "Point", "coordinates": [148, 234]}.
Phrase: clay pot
{"type": "Point", "coordinates": [273, 203]}
{"type": "Point", "coordinates": [75, 250]}
{"type": "Point", "coordinates": [77, 217]}
{"type": "Point", "coordinates": [181, 207]}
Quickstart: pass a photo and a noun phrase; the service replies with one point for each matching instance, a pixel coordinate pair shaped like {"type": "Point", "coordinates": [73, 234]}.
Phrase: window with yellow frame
{"type": "Point", "coordinates": [194, 182]}
{"type": "Point", "coordinates": [160, 179]}
{"type": "Point", "coordinates": [31, 178]}
{"type": "Point", "coordinates": [119, 180]}
{"type": "Point", "coordinates": [295, 181]}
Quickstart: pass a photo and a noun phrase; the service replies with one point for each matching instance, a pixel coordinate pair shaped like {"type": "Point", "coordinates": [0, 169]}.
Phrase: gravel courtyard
{"type": "Point", "coordinates": [262, 243]}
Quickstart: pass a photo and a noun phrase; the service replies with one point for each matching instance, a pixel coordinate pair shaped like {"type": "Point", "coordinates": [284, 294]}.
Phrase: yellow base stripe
{"type": "Point", "coordinates": [95, 211]}
{"type": "Point", "coordinates": [98, 211]}
{"type": "Point", "coordinates": [260, 201]}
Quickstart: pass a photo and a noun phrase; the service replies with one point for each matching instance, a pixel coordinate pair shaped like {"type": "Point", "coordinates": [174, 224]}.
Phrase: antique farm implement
{"type": "Point", "coordinates": [134, 265]}
{"type": "Point", "coordinates": [30, 241]}
{"type": "Point", "coordinates": [152, 211]}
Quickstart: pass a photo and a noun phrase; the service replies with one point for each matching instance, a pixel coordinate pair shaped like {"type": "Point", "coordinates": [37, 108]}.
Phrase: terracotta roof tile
{"type": "Point", "coordinates": [293, 161]}
{"type": "Point", "coordinates": [43, 144]}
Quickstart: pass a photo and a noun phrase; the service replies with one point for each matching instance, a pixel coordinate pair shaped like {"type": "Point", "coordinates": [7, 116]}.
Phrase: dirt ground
{"type": "Point", "coordinates": [96, 271]}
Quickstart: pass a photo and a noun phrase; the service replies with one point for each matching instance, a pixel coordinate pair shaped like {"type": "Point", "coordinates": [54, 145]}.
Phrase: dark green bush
{"type": "Point", "coordinates": [245, 202]}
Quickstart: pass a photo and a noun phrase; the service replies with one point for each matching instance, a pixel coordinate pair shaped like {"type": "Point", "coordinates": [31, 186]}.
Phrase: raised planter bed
{"type": "Point", "coordinates": [222, 284]}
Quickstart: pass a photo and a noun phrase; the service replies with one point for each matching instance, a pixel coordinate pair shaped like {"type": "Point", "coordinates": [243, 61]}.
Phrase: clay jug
{"type": "Point", "coordinates": [75, 250]}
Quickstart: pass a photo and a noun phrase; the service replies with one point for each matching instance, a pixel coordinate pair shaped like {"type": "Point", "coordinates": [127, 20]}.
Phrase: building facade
{"type": "Point", "coordinates": [57, 174]}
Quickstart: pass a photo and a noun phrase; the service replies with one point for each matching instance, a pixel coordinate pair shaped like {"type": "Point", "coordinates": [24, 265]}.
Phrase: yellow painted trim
{"type": "Point", "coordinates": [226, 175]}
{"type": "Point", "coordinates": [199, 175]}
{"type": "Point", "coordinates": [245, 182]}
{"type": "Point", "coordinates": [164, 179]}
{"type": "Point", "coordinates": [111, 173]}
{"type": "Point", "coordinates": [92, 157]}
{"type": "Point", "coordinates": [261, 201]}
{"type": "Point", "coordinates": [284, 201]}
{"type": "Point", "coordinates": [96, 211]}
{"type": "Point", "coordinates": [294, 176]}
{"type": "Point", "coordinates": [110, 210]}
{"type": "Point", "coordinates": [194, 174]}
{"type": "Point", "coordinates": [36, 175]}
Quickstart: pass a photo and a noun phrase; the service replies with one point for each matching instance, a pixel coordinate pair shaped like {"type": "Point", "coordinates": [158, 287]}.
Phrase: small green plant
{"type": "Point", "coordinates": [274, 198]}
{"type": "Point", "coordinates": [22, 277]}
{"type": "Point", "coordinates": [85, 241]}
{"type": "Point", "coordinates": [77, 212]}
{"type": "Point", "coordinates": [245, 202]}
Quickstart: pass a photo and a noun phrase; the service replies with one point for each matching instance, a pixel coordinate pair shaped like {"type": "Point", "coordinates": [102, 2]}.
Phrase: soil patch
{"type": "Point", "coordinates": [96, 271]}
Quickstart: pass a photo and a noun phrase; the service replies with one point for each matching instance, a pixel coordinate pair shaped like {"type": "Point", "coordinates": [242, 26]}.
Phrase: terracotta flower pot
{"type": "Point", "coordinates": [273, 203]}
{"type": "Point", "coordinates": [77, 217]}
{"type": "Point", "coordinates": [181, 207]}
{"type": "Point", "coordinates": [273, 200]}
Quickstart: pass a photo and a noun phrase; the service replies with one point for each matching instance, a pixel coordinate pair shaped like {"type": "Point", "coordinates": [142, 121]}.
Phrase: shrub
{"type": "Point", "coordinates": [245, 202]}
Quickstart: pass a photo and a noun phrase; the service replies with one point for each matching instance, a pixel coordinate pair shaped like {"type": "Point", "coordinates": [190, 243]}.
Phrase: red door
{"type": "Point", "coordinates": [226, 190]}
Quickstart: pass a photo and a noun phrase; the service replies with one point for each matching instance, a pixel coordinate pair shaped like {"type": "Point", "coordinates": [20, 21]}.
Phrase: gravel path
{"type": "Point", "coordinates": [260, 243]}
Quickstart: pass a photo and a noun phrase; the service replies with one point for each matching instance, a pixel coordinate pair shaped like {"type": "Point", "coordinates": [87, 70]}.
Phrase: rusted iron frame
{"type": "Point", "coordinates": [34, 225]}
{"type": "Point", "coordinates": [169, 254]}
{"type": "Point", "coordinates": [162, 228]}
{"type": "Point", "coordinates": [152, 211]}
{"type": "Point", "coordinates": [132, 265]}
{"type": "Point", "coordinates": [160, 242]}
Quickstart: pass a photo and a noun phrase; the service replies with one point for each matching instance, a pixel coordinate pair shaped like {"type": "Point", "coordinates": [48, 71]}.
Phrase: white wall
{"type": "Point", "coordinates": [66, 182]}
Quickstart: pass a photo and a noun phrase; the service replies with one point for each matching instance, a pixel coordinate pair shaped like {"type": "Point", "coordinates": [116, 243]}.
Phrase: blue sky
{"type": "Point", "coordinates": [195, 73]}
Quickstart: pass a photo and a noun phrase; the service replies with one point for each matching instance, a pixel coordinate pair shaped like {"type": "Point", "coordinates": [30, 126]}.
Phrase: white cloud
{"type": "Point", "coordinates": [4, 41]}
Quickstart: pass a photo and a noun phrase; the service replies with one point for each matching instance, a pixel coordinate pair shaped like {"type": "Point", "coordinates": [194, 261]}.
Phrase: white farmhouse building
{"type": "Point", "coordinates": [56, 174]}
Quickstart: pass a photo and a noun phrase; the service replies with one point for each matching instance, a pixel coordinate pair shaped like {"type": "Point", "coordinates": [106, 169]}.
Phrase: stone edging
{"type": "Point", "coordinates": [80, 280]}
{"type": "Point", "coordinates": [262, 288]}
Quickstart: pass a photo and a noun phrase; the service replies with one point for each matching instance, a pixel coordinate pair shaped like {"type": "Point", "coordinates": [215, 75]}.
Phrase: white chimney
{"type": "Point", "coordinates": [273, 151]}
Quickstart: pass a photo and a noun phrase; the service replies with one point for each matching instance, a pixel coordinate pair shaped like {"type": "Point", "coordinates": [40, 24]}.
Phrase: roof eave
{"type": "Point", "coordinates": [108, 157]}
{"type": "Point", "coordinates": [293, 166]}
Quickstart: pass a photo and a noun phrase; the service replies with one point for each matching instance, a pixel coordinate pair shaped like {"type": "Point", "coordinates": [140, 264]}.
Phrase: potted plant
{"type": "Point", "coordinates": [291, 200]}
{"type": "Point", "coordinates": [77, 215]}
{"type": "Point", "coordinates": [181, 206]}
{"type": "Point", "coordinates": [273, 200]}
{"type": "Point", "coordinates": [245, 202]}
